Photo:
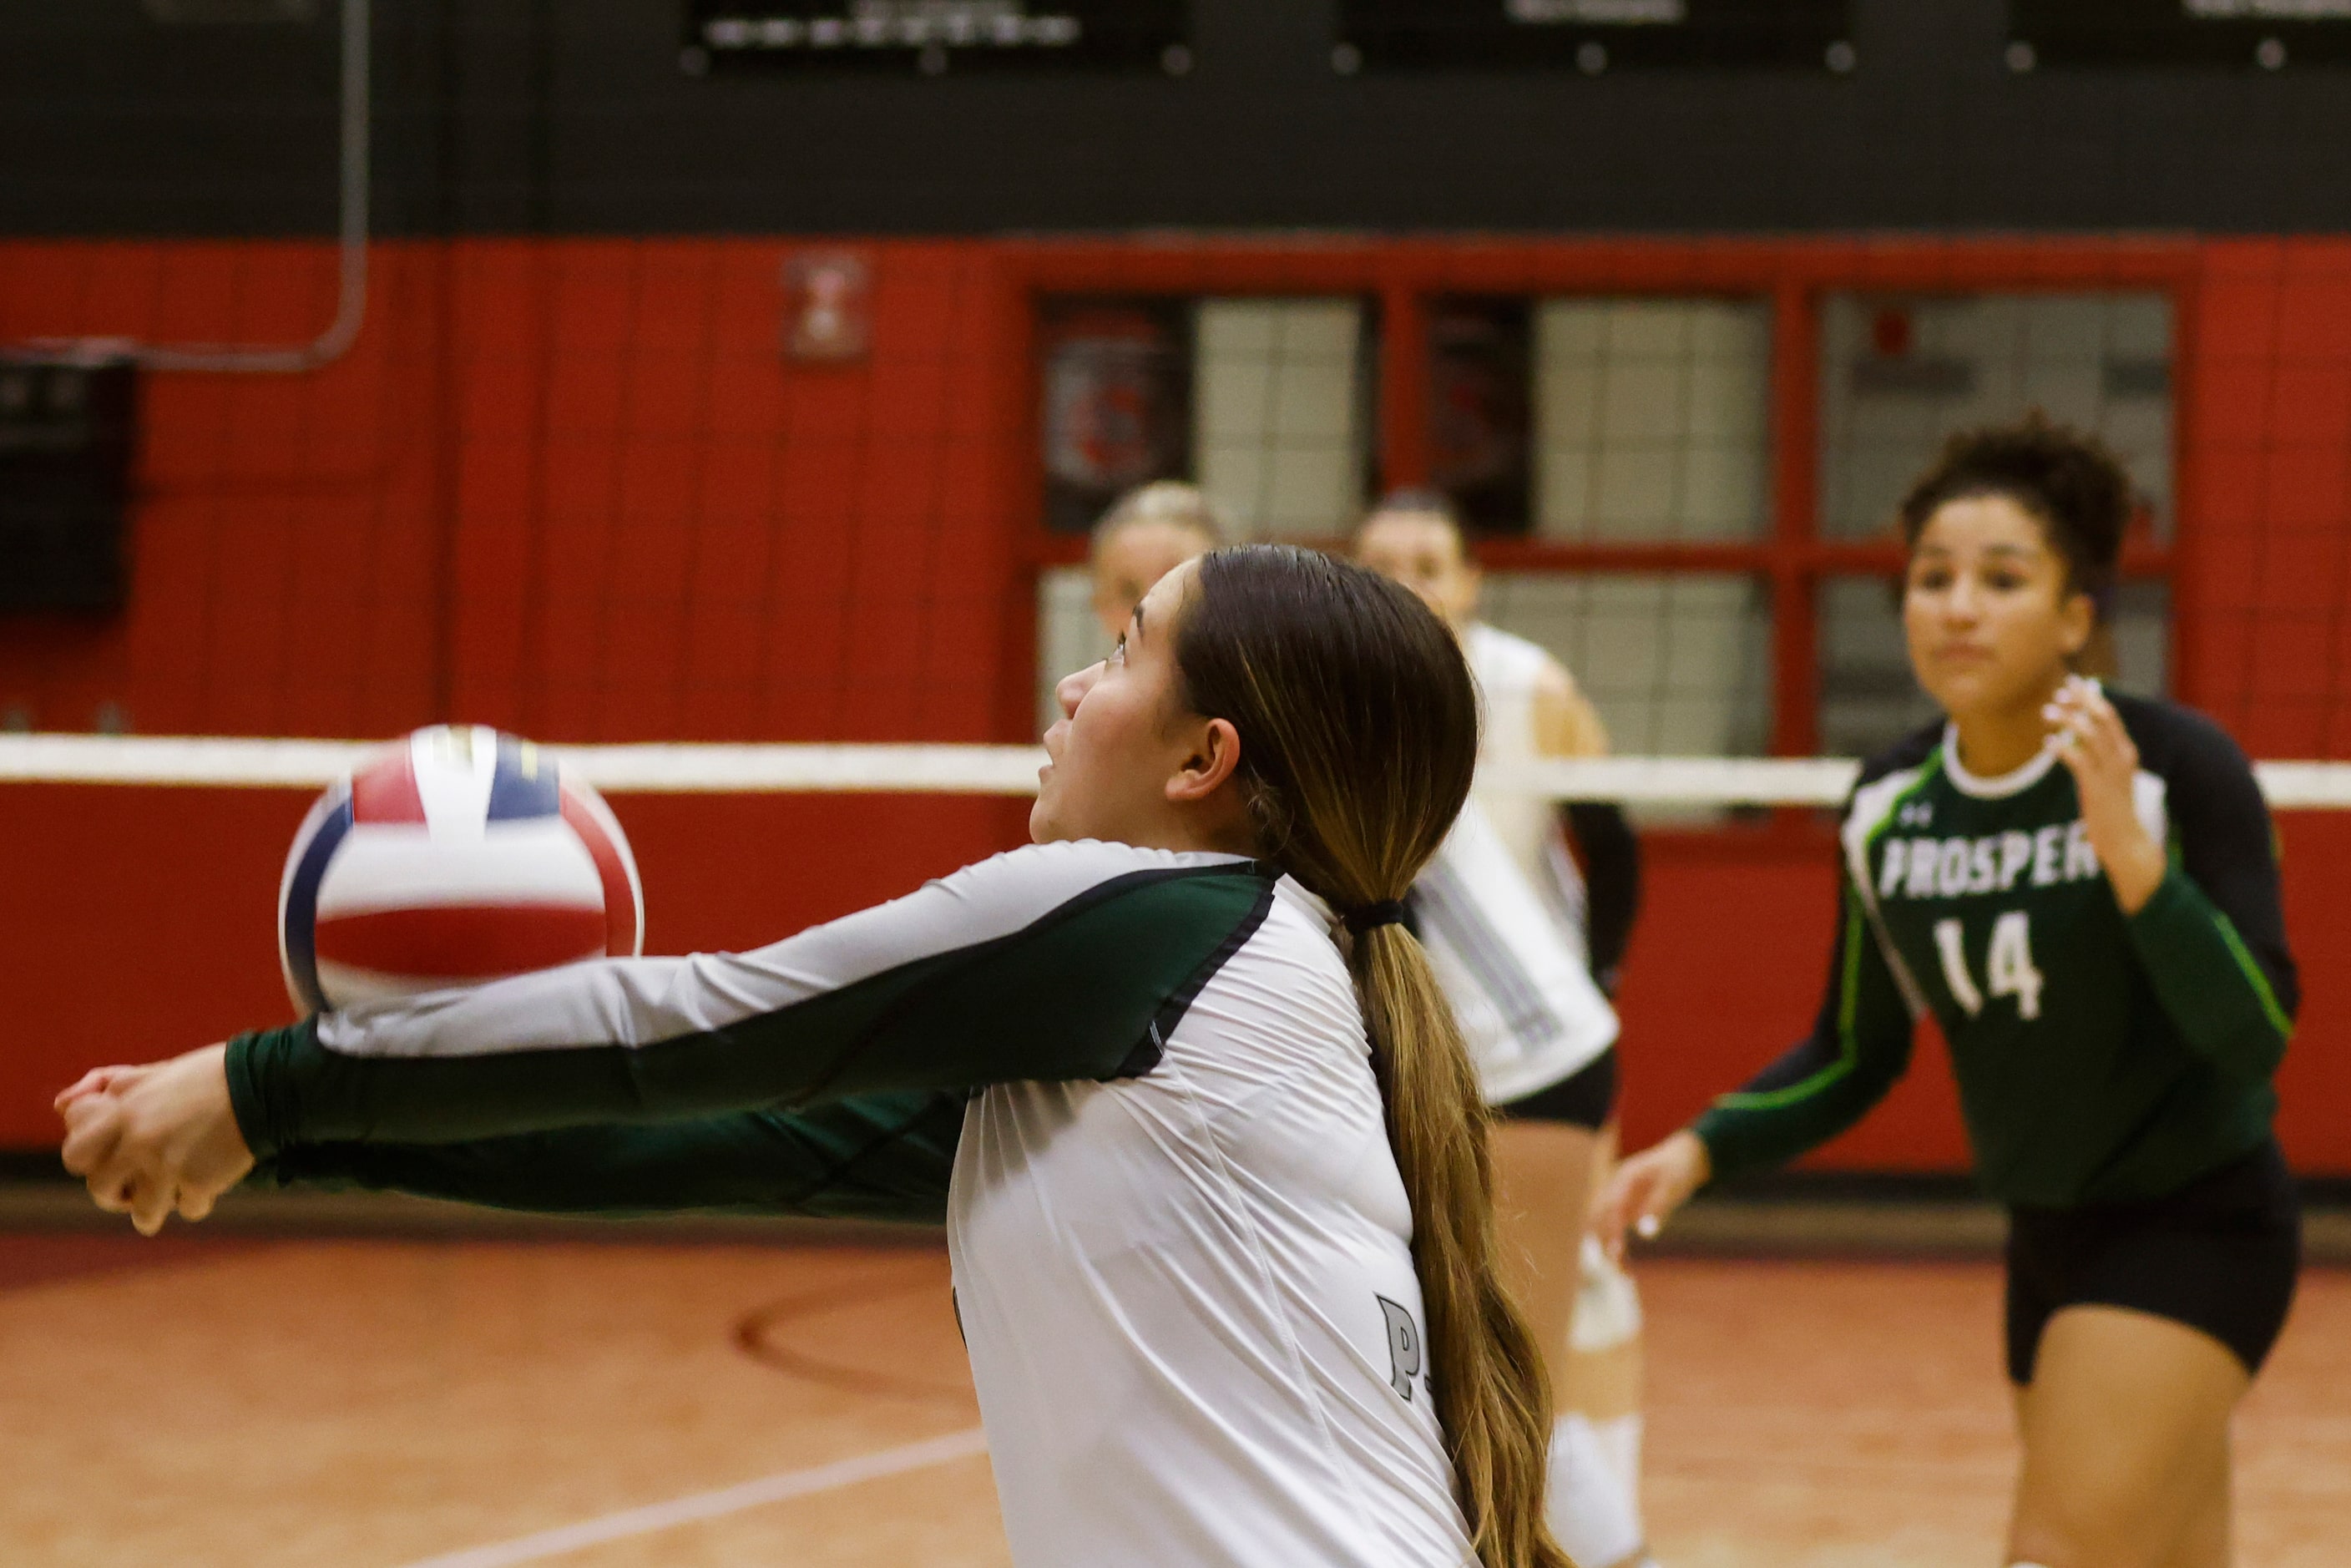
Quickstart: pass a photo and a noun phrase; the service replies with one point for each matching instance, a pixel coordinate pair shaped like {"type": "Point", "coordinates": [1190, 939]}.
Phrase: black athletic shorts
{"type": "Point", "coordinates": [1584, 1098]}
{"type": "Point", "coordinates": [2219, 1255]}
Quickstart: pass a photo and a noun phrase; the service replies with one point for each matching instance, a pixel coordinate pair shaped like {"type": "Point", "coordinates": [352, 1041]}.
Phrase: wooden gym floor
{"type": "Point", "coordinates": [390, 1404]}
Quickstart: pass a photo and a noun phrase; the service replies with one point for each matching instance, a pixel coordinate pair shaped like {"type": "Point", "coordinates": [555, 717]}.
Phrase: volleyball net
{"type": "Point", "coordinates": [1010, 771]}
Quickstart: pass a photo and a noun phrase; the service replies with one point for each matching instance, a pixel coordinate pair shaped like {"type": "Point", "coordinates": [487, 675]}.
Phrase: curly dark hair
{"type": "Point", "coordinates": [2069, 480]}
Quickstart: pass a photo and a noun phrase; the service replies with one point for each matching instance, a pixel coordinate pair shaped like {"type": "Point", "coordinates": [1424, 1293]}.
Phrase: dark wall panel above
{"type": "Point", "coordinates": [519, 116]}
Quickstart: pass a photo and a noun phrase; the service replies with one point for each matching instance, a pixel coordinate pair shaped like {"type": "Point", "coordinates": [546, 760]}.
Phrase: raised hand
{"type": "Point", "coordinates": [2097, 749]}
{"type": "Point", "coordinates": [1649, 1188]}
{"type": "Point", "coordinates": [154, 1139]}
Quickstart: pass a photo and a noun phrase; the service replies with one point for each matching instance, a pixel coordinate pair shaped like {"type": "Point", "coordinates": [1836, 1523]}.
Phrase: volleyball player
{"type": "Point", "coordinates": [1147, 533]}
{"type": "Point", "coordinates": [2082, 888]}
{"type": "Point", "coordinates": [1177, 1079]}
{"type": "Point", "coordinates": [1517, 933]}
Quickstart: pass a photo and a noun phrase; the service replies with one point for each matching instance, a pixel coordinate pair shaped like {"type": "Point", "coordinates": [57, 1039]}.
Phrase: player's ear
{"type": "Point", "coordinates": [2077, 618]}
{"type": "Point", "coordinates": [1214, 755]}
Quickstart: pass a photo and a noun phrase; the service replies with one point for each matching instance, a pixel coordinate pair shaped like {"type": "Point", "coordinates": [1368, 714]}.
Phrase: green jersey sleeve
{"type": "Point", "coordinates": [883, 1156]}
{"type": "Point", "coordinates": [1858, 1047]}
{"type": "Point", "coordinates": [1056, 962]}
{"type": "Point", "coordinates": [2211, 939]}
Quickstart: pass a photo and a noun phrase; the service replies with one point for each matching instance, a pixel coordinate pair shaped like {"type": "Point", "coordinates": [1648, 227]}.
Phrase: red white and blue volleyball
{"type": "Point", "coordinates": [459, 855]}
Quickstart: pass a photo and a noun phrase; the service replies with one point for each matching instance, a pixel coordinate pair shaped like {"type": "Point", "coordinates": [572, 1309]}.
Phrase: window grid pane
{"type": "Point", "coordinates": [1652, 419]}
{"type": "Point", "coordinates": [1649, 422]}
{"type": "Point", "coordinates": [1899, 375]}
{"type": "Point", "coordinates": [1069, 638]}
{"type": "Point", "coordinates": [1676, 663]}
{"type": "Point", "coordinates": [1279, 410]}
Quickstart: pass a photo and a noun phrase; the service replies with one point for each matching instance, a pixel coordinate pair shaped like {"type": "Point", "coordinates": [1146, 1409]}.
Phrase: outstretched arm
{"type": "Point", "coordinates": [1050, 964]}
{"type": "Point", "coordinates": [156, 1139]}
{"type": "Point", "coordinates": [1060, 962]}
{"type": "Point", "coordinates": [882, 1156]}
{"type": "Point", "coordinates": [1858, 1047]}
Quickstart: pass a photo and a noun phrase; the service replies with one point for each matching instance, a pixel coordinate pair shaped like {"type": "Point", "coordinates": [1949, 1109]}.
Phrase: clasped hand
{"type": "Point", "coordinates": [2092, 742]}
{"type": "Point", "coordinates": [155, 1140]}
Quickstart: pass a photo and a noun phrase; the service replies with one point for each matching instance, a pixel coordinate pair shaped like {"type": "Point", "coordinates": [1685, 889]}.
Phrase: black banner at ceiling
{"type": "Point", "coordinates": [2268, 35]}
{"type": "Point", "coordinates": [935, 38]}
{"type": "Point", "coordinates": [1594, 36]}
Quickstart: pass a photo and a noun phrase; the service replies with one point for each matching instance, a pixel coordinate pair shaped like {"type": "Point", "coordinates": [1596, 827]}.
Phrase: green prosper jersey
{"type": "Point", "coordinates": [2099, 1056]}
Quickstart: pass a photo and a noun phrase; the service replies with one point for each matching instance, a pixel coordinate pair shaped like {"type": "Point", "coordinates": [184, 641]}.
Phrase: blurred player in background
{"type": "Point", "coordinates": [1149, 532]}
{"type": "Point", "coordinates": [1526, 943]}
{"type": "Point", "coordinates": [2082, 889]}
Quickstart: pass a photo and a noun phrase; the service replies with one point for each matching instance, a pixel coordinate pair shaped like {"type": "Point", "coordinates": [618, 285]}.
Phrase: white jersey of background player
{"type": "Point", "coordinates": [1509, 921]}
{"type": "Point", "coordinates": [1503, 905]}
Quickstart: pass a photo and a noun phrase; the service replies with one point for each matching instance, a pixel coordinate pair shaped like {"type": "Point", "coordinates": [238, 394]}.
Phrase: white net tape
{"type": "Point", "coordinates": [1010, 770]}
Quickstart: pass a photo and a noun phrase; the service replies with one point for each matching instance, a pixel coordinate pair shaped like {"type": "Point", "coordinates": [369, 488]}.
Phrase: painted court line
{"type": "Point", "coordinates": [705, 1505]}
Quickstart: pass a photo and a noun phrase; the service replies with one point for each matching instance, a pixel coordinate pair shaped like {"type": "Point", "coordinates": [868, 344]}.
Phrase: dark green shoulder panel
{"type": "Point", "coordinates": [1072, 995]}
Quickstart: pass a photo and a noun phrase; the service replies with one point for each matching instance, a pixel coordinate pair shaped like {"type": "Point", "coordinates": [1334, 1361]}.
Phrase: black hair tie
{"type": "Point", "coordinates": [1367, 916]}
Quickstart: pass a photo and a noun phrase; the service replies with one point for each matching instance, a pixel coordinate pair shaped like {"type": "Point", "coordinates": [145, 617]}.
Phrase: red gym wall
{"type": "Point", "coordinates": [572, 488]}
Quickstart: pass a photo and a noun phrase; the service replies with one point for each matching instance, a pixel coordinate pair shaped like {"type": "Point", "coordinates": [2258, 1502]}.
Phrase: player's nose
{"type": "Point", "coordinates": [1073, 687]}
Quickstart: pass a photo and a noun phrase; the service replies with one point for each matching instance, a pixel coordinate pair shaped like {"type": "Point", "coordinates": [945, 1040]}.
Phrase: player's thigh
{"type": "Point", "coordinates": [2125, 1432]}
{"type": "Point", "coordinates": [2206, 1541]}
{"type": "Point", "coordinates": [1542, 1197]}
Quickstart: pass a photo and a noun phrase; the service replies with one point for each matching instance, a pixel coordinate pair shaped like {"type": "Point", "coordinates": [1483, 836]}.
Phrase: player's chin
{"type": "Point", "coordinates": [1044, 822]}
{"type": "Point", "coordinates": [1954, 698]}
{"type": "Point", "coordinates": [1969, 687]}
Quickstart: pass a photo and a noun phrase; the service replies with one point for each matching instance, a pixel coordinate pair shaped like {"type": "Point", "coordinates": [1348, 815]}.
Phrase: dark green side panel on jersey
{"type": "Point", "coordinates": [878, 1156]}
{"type": "Point", "coordinates": [2099, 1056]}
{"type": "Point", "coordinates": [1076, 995]}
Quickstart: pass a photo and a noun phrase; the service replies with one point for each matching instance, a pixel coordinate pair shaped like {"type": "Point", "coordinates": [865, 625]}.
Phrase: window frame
{"type": "Point", "coordinates": [1792, 277]}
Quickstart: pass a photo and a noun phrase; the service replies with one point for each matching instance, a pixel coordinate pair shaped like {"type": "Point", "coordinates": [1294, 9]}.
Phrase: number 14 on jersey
{"type": "Point", "coordinates": [2009, 969]}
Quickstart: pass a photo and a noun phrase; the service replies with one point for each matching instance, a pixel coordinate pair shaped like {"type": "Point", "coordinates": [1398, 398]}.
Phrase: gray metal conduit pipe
{"type": "Point", "coordinates": [350, 295]}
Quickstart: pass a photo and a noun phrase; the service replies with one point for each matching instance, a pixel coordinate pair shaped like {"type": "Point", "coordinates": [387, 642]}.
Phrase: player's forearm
{"type": "Point", "coordinates": [2208, 982]}
{"type": "Point", "coordinates": [2135, 865]}
{"type": "Point", "coordinates": [1753, 1130]}
{"type": "Point", "coordinates": [888, 1157]}
{"type": "Point", "coordinates": [288, 1091]}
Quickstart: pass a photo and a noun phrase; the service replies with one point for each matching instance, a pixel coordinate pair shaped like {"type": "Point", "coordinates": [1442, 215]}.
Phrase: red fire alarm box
{"type": "Point", "coordinates": [828, 306]}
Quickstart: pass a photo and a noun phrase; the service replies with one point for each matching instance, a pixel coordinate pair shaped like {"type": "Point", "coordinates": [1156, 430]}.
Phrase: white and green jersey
{"type": "Point", "coordinates": [1501, 907]}
{"type": "Point", "coordinates": [1135, 1084]}
{"type": "Point", "coordinates": [1529, 1013]}
{"type": "Point", "coordinates": [2099, 1056]}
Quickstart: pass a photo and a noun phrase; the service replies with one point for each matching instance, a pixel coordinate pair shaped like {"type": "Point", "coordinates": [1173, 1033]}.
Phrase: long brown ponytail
{"type": "Point", "coordinates": [1359, 735]}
